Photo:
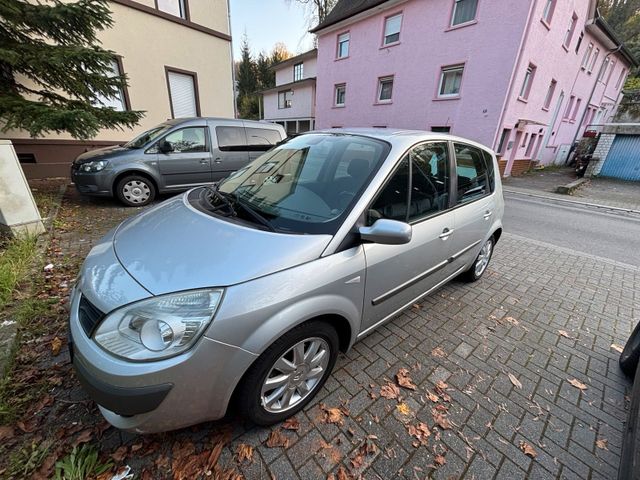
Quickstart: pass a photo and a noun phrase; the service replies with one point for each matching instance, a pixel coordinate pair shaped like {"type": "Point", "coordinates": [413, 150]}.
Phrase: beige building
{"type": "Point", "coordinates": [177, 56]}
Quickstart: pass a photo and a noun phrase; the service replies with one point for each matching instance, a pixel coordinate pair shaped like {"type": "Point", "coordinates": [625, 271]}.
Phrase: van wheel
{"type": "Point", "coordinates": [631, 353]}
{"type": "Point", "coordinates": [135, 191]}
{"type": "Point", "coordinates": [289, 373]}
{"type": "Point", "coordinates": [481, 262]}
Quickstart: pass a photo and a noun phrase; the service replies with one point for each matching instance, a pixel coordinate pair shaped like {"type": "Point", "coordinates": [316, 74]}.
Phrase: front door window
{"type": "Point", "coordinates": [187, 140]}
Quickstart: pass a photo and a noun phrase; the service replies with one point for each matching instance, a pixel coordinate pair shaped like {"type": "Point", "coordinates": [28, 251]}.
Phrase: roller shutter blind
{"type": "Point", "coordinates": [183, 95]}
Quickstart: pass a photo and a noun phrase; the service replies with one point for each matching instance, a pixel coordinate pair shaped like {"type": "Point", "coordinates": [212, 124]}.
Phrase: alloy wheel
{"type": "Point", "coordinates": [483, 258]}
{"type": "Point", "coordinates": [295, 375]}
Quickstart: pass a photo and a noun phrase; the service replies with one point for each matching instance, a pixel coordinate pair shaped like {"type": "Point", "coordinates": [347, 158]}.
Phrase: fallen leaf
{"type": "Point", "coordinates": [617, 348]}
{"type": "Point", "coordinates": [56, 345]}
{"type": "Point", "coordinates": [342, 474]}
{"type": "Point", "coordinates": [84, 437]}
{"type": "Point", "coordinates": [441, 420]}
{"type": "Point", "coordinates": [244, 452]}
{"type": "Point", "coordinates": [29, 425]}
{"type": "Point", "coordinates": [417, 306]}
{"type": "Point", "coordinates": [578, 384]}
{"type": "Point", "coordinates": [404, 380]}
{"type": "Point", "coordinates": [511, 320]}
{"type": "Point", "coordinates": [433, 397]}
{"type": "Point", "coordinates": [291, 423]}
{"type": "Point", "coordinates": [332, 415]}
{"type": "Point", "coordinates": [389, 391]}
{"type": "Point", "coordinates": [514, 380]}
{"type": "Point", "coordinates": [277, 439]}
{"type": "Point", "coordinates": [420, 431]}
{"type": "Point", "coordinates": [440, 460]}
{"type": "Point", "coordinates": [6, 433]}
{"type": "Point", "coordinates": [120, 454]}
{"type": "Point", "coordinates": [528, 450]}
{"type": "Point", "coordinates": [563, 333]}
{"type": "Point", "coordinates": [438, 352]}
{"type": "Point", "coordinates": [602, 443]}
{"type": "Point", "coordinates": [403, 408]}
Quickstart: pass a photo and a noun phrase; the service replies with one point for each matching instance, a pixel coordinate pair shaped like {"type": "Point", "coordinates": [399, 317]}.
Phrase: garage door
{"type": "Point", "coordinates": [623, 160]}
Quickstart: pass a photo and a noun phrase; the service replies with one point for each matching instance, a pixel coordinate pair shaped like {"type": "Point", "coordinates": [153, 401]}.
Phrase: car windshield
{"type": "Point", "coordinates": [146, 137]}
{"type": "Point", "coordinates": [309, 183]}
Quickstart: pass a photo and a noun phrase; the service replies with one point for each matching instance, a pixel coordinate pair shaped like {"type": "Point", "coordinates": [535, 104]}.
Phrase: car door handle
{"type": "Point", "coordinates": [487, 214]}
{"type": "Point", "coordinates": [218, 160]}
{"type": "Point", "coordinates": [204, 161]}
{"type": "Point", "coordinates": [446, 233]}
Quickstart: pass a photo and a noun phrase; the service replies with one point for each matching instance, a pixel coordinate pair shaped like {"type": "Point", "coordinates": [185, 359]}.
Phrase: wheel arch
{"type": "Point", "coordinates": [133, 172]}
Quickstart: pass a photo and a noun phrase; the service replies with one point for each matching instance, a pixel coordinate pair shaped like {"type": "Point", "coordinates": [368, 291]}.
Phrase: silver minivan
{"type": "Point", "coordinates": [172, 157]}
{"type": "Point", "coordinates": [243, 293]}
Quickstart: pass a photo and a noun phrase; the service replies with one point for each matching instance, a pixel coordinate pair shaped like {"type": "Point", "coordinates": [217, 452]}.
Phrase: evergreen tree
{"type": "Point", "coordinates": [52, 68]}
{"type": "Point", "coordinates": [247, 83]}
{"type": "Point", "coordinates": [266, 76]}
{"type": "Point", "coordinates": [624, 17]}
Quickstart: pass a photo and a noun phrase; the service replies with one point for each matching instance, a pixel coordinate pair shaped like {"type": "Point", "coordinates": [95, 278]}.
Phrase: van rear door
{"type": "Point", "coordinates": [230, 149]}
{"type": "Point", "coordinates": [259, 140]}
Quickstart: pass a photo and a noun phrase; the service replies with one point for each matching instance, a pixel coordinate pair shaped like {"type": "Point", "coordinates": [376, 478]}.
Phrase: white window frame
{"type": "Point", "coordinates": [286, 99]}
{"type": "Point", "coordinates": [550, 94]}
{"type": "Point", "coordinates": [594, 59]}
{"type": "Point", "coordinates": [527, 83]}
{"type": "Point", "coordinates": [381, 81]}
{"type": "Point", "coordinates": [301, 65]}
{"type": "Point", "coordinates": [443, 72]}
{"type": "Point", "coordinates": [621, 77]}
{"type": "Point", "coordinates": [340, 87]}
{"type": "Point", "coordinates": [341, 41]}
{"type": "Point", "coordinates": [568, 36]}
{"type": "Point", "coordinates": [182, 9]}
{"type": "Point", "coordinates": [587, 56]}
{"type": "Point", "coordinates": [387, 34]}
{"type": "Point", "coordinates": [455, 10]}
{"type": "Point", "coordinates": [547, 13]}
{"type": "Point", "coordinates": [569, 109]}
{"type": "Point", "coordinates": [603, 69]}
{"type": "Point", "coordinates": [118, 101]}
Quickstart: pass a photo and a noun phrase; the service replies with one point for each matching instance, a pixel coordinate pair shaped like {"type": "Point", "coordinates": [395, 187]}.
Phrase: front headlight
{"type": "Point", "coordinates": [159, 327]}
{"type": "Point", "coordinates": [93, 166]}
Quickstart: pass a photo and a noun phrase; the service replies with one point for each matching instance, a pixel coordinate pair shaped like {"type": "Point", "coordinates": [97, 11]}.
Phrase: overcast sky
{"type": "Point", "coordinates": [267, 22]}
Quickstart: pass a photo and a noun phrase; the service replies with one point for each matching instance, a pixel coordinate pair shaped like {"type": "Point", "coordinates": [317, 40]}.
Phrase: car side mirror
{"type": "Point", "coordinates": [165, 147]}
{"type": "Point", "coordinates": [387, 232]}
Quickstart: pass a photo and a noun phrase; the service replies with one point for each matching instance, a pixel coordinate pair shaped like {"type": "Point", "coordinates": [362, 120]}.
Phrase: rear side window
{"type": "Point", "coordinates": [473, 181]}
{"type": "Point", "coordinates": [488, 158]}
{"type": "Point", "coordinates": [231, 139]}
{"type": "Point", "coordinates": [262, 139]}
{"type": "Point", "coordinates": [429, 180]}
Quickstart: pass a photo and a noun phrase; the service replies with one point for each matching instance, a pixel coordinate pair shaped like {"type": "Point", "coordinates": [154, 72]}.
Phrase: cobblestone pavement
{"type": "Point", "coordinates": [603, 191]}
{"type": "Point", "coordinates": [506, 347]}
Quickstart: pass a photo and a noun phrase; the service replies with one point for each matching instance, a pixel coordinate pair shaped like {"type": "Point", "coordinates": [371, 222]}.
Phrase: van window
{"type": "Point", "coordinates": [392, 201]}
{"type": "Point", "coordinates": [231, 139]}
{"type": "Point", "coordinates": [262, 139]}
{"type": "Point", "coordinates": [472, 172]}
{"type": "Point", "coordinates": [188, 140]}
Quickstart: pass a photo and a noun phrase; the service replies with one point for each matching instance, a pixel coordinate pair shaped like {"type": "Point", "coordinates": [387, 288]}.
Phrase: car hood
{"type": "Point", "coordinates": [100, 154]}
{"type": "Point", "coordinates": [175, 247]}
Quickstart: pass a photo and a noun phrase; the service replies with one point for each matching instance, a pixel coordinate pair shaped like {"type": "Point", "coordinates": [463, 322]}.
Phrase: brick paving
{"type": "Point", "coordinates": [507, 323]}
{"type": "Point", "coordinates": [603, 191]}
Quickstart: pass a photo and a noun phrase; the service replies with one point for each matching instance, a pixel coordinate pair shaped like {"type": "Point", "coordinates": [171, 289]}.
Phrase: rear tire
{"type": "Point", "coordinates": [135, 191]}
{"type": "Point", "coordinates": [286, 377]}
{"type": "Point", "coordinates": [481, 263]}
{"type": "Point", "coordinates": [631, 353]}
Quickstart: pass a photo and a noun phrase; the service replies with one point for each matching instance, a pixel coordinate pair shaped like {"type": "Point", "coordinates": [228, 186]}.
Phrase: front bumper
{"type": "Point", "coordinates": [93, 183]}
{"type": "Point", "coordinates": [147, 397]}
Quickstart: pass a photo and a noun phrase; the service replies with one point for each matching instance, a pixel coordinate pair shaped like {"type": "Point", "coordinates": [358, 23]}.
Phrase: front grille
{"type": "Point", "coordinates": [89, 315]}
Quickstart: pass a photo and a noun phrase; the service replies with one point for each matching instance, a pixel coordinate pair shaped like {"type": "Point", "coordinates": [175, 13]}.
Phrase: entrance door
{"type": "Point", "coordinates": [418, 193]}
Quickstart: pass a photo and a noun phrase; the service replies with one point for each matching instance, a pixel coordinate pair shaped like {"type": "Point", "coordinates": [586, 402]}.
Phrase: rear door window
{"type": "Point", "coordinates": [429, 179]}
{"type": "Point", "coordinates": [473, 179]}
{"type": "Point", "coordinates": [262, 139]}
{"type": "Point", "coordinates": [231, 139]}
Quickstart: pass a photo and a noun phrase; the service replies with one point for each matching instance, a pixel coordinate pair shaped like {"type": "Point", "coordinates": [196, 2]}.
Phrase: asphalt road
{"type": "Point", "coordinates": [596, 231]}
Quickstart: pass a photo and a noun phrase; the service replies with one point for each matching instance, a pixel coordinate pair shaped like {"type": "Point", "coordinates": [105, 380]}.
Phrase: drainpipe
{"type": "Point", "coordinates": [515, 71]}
{"type": "Point", "coordinates": [233, 66]}
{"type": "Point", "coordinates": [593, 91]}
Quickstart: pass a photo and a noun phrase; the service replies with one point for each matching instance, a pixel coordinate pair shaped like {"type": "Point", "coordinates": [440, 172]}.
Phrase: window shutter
{"type": "Point", "coordinates": [183, 95]}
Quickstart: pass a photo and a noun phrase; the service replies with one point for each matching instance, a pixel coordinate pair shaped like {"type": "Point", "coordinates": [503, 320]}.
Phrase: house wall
{"type": "Point", "coordinates": [302, 104]}
{"type": "Point", "coordinates": [148, 43]}
{"type": "Point", "coordinates": [488, 48]}
{"type": "Point", "coordinates": [285, 75]}
{"type": "Point", "coordinates": [544, 49]}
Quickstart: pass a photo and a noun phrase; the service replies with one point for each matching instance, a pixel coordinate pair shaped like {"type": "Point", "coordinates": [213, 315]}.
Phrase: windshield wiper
{"type": "Point", "coordinates": [251, 211]}
{"type": "Point", "coordinates": [224, 201]}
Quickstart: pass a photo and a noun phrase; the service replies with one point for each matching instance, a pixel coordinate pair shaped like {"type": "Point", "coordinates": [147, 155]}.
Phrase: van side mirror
{"type": "Point", "coordinates": [165, 147]}
{"type": "Point", "coordinates": [387, 232]}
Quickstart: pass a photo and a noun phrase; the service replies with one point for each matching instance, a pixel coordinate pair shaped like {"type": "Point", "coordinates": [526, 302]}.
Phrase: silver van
{"type": "Point", "coordinates": [173, 156]}
{"type": "Point", "coordinates": [243, 293]}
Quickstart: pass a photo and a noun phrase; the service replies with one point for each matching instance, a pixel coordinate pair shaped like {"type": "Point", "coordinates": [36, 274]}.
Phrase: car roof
{"type": "Point", "coordinates": [238, 121]}
{"type": "Point", "coordinates": [405, 135]}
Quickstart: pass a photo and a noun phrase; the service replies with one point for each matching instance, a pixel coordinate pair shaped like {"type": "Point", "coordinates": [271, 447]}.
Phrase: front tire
{"type": "Point", "coordinates": [481, 262]}
{"type": "Point", "coordinates": [631, 353]}
{"type": "Point", "coordinates": [135, 191]}
{"type": "Point", "coordinates": [289, 373]}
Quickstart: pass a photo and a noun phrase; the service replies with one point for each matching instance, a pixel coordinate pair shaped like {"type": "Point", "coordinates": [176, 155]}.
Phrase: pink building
{"type": "Point", "coordinates": [292, 102]}
{"type": "Point", "coordinates": [524, 77]}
